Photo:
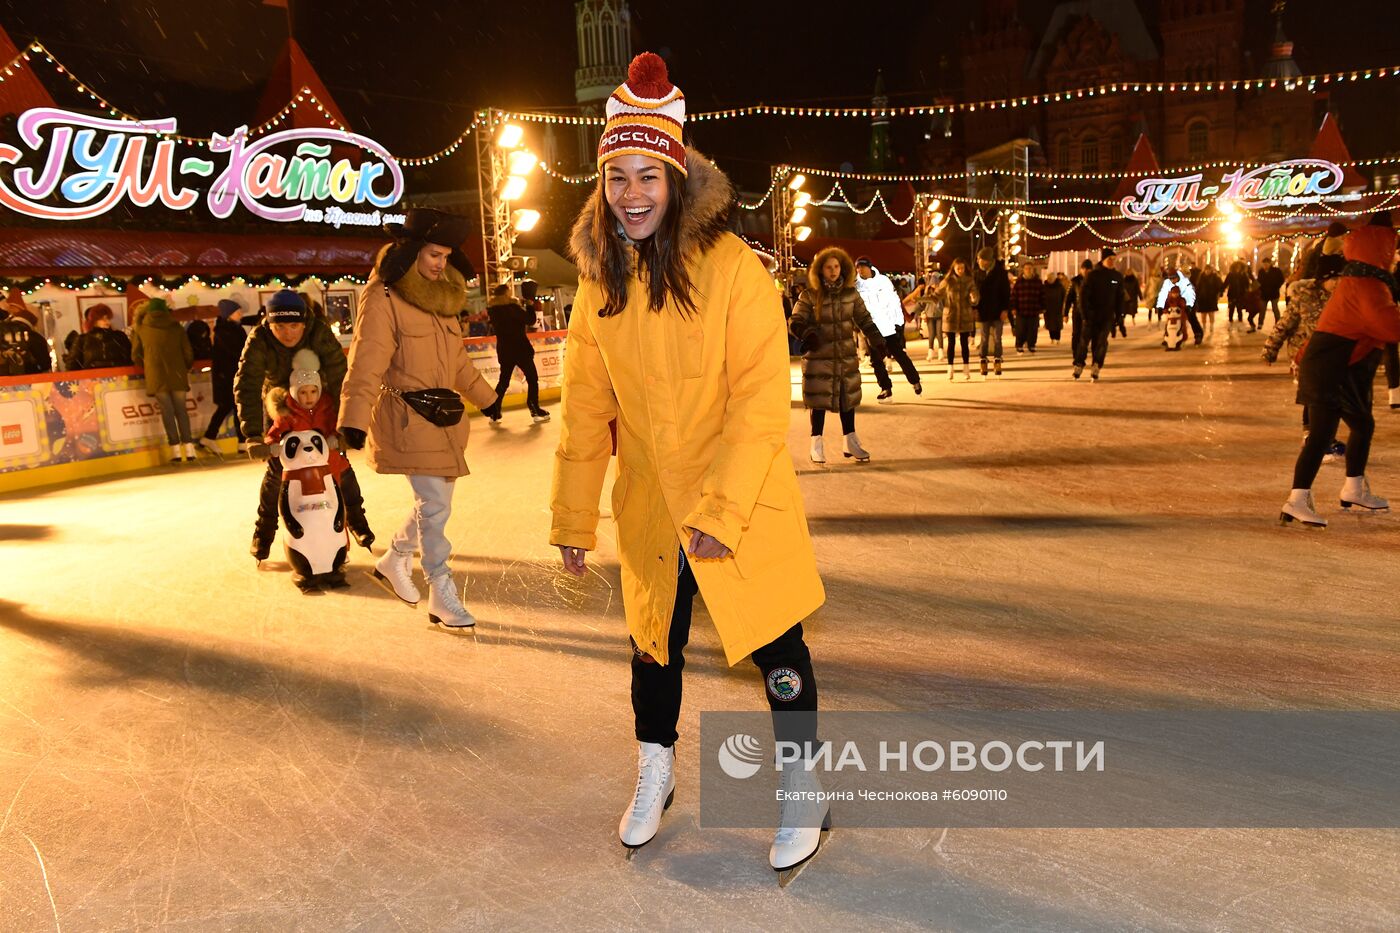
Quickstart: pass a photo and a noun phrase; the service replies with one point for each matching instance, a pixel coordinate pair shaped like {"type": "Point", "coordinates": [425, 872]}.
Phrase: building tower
{"type": "Point", "coordinates": [881, 154]}
{"type": "Point", "coordinates": [604, 50]}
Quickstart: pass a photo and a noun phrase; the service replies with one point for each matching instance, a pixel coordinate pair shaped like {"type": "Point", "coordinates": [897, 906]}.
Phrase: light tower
{"type": "Point", "coordinates": [502, 165]}
{"type": "Point", "coordinates": [790, 208]}
{"type": "Point", "coordinates": [604, 50]}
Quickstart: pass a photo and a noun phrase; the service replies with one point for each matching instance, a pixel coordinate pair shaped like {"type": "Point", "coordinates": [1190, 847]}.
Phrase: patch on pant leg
{"type": "Point", "coordinates": [784, 684]}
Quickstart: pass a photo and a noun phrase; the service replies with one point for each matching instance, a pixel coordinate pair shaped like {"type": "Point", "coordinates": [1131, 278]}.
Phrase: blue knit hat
{"type": "Point", "coordinates": [227, 306]}
{"type": "Point", "coordinates": [286, 307]}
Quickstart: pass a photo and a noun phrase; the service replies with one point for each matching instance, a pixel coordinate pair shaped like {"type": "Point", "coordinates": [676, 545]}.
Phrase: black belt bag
{"type": "Point", "coordinates": [440, 407]}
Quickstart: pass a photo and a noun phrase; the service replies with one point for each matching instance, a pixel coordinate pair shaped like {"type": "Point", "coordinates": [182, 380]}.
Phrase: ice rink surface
{"type": "Point", "coordinates": [186, 743]}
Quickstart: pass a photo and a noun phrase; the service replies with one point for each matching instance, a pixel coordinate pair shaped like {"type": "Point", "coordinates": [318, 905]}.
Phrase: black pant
{"type": "Point", "coordinates": [1322, 430]}
{"type": "Point", "coordinates": [894, 349]}
{"type": "Point", "coordinates": [216, 421]}
{"type": "Point", "coordinates": [1270, 303]}
{"type": "Point", "coordinates": [265, 528]}
{"type": "Point", "coordinates": [848, 421]}
{"type": "Point", "coordinates": [1392, 366]}
{"type": "Point", "coordinates": [1118, 325]}
{"type": "Point", "coordinates": [1027, 330]}
{"type": "Point", "coordinates": [1197, 330]}
{"type": "Point", "coordinates": [1094, 338]}
{"type": "Point", "coordinates": [512, 358]}
{"type": "Point", "coordinates": [953, 346]}
{"type": "Point", "coordinates": [784, 662]}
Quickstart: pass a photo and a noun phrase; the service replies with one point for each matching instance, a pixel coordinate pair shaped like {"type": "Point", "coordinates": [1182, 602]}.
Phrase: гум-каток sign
{"type": "Point", "coordinates": [92, 164]}
{"type": "Point", "coordinates": [1295, 182]}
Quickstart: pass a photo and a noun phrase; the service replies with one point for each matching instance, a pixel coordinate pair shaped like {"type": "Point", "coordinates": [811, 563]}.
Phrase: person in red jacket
{"type": "Point", "coordinates": [1338, 368]}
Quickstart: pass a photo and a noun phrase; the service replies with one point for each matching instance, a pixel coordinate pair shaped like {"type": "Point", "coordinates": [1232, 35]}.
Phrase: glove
{"type": "Point", "coordinates": [353, 438]}
{"type": "Point", "coordinates": [259, 451]}
{"type": "Point", "coordinates": [809, 342]}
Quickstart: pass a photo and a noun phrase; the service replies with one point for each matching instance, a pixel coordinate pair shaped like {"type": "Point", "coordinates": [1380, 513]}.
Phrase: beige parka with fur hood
{"type": "Point", "coordinates": [407, 336]}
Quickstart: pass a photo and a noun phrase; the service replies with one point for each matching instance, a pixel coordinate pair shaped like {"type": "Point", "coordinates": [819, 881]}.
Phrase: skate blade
{"type": "Point", "coordinates": [383, 581]}
{"type": "Point", "coordinates": [1362, 509]}
{"type": "Point", "coordinates": [787, 876]}
{"type": "Point", "coordinates": [632, 850]}
{"type": "Point", "coordinates": [454, 629]}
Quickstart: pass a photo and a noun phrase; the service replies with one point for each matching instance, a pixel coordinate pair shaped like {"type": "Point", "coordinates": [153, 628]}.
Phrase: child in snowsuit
{"type": "Point", "coordinates": [305, 407]}
{"type": "Point", "coordinates": [1174, 315]}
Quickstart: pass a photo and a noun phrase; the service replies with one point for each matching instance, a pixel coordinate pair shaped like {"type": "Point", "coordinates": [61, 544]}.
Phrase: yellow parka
{"type": "Point", "coordinates": [702, 404]}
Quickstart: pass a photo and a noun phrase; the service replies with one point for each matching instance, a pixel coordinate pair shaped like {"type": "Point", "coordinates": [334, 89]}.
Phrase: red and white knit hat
{"type": "Point", "coordinates": [645, 115]}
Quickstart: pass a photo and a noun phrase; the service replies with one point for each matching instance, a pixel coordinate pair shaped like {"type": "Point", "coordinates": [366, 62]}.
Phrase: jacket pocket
{"type": "Point", "coordinates": [772, 531]}
{"type": "Point", "coordinates": [619, 491]}
{"type": "Point", "coordinates": [692, 349]}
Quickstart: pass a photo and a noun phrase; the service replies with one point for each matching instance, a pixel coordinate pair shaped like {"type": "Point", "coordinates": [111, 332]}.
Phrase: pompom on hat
{"type": "Point", "coordinates": [306, 369]}
{"type": "Point", "coordinates": [645, 115]}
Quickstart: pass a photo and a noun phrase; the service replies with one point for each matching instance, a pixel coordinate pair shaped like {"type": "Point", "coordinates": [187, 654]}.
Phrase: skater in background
{"type": "Point", "coordinates": [958, 292]}
{"type": "Point", "coordinates": [1253, 305]}
{"type": "Point", "coordinates": [1074, 302]}
{"type": "Point", "coordinates": [993, 306]}
{"type": "Point", "coordinates": [1173, 278]}
{"type": "Point", "coordinates": [1237, 282]}
{"type": "Point", "coordinates": [1209, 287]}
{"type": "Point", "coordinates": [511, 322]}
{"type": "Point", "coordinates": [200, 341]}
{"type": "Point", "coordinates": [707, 500]}
{"type": "Point", "coordinates": [229, 338]}
{"type": "Point", "coordinates": [828, 315]}
{"type": "Point", "coordinates": [100, 346]}
{"type": "Point", "coordinates": [1101, 298]}
{"type": "Point", "coordinates": [266, 364]}
{"type": "Point", "coordinates": [160, 346]}
{"type": "Point", "coordinates": [1337, 371]}
{"type": "Point", "coordinates": [883, 303]}
{"type": "Point", "coordinates": [23, 350]}
{"type": "Point", "coordinates": [1271, 281]}
{"type": "Point", "coordinates": [1027, 301]}
{"type": "Point", "coordinates": [408, 348]}
{"type": "Point", "coordinates": [924, 303]}
{"type": "Point", "coordinates": [1132, 295]}
{"type": "Point", "coordinates": [1174, 319]}
{"type": "Point", "coordinates": [1053, 305]}
{"type": "Point", "coordinates": [1308, 293]}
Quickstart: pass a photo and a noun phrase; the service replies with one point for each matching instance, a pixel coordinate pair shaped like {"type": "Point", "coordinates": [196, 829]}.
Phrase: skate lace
{"type": "Point", "coordinates": [651, 778]}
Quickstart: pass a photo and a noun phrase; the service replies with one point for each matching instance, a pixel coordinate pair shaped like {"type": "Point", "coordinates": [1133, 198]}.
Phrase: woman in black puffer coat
{"type": "Point", "coordinates": [824, 322]}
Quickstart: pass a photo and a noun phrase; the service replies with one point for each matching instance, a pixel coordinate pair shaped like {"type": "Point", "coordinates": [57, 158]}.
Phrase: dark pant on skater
{"type": "Point", "coordinates": [894, 349]}
{"type": "Point", "coordinates": [953, 346]}
{"type": "Point", "coordinates": [785, 664]}
{"type": "Point", "coordinates": [1392, 366]}
{"type": "Point", "coordinates": [1094, 339]}
{"type": "Point", "coordinates": [1322, 431]}
{"type": "Point", "coordinates": [848, 421]}
{"type": "Point", "coordinates": [512, 359]}
{"type": "Point", "coordinates": [1197, 330]}
{"type": "Point", "coordinates": [1027, 330]}
{"type": "Point", "coordinates": [216, 421]}
{"type": "Point", "coordinates": [1268, 304]}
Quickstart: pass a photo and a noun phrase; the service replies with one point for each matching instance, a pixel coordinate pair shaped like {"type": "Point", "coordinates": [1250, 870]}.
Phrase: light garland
{"type": "Point", "coordinates": [569, 179]}
{"type": "Point", "coordinates": [30, 286]}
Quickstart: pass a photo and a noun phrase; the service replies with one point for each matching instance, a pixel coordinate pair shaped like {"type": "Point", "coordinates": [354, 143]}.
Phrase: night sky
{"type": "Point", "coordinates": [410, 73]}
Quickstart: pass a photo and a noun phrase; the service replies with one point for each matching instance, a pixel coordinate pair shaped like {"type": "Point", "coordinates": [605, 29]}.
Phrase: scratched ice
{"type": "Point", "coordinates": [188, 743]}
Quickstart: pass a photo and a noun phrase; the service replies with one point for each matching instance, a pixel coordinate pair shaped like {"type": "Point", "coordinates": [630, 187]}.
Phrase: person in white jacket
{"type": "Point", "coordinates": [1173, 278]}
{"type": "Point", "coordinates": [882, 301]}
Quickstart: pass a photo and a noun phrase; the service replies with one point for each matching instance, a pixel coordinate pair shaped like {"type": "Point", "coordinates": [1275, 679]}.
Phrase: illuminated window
{"type": "Point", "coordinates": [1197, 139]}
{"type": "Point", "coordinates": [1089, 154]}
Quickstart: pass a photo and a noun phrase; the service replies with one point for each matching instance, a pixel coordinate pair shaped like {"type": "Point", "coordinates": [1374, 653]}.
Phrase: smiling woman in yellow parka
{"type": "Point", "coordinates": [678, 334]}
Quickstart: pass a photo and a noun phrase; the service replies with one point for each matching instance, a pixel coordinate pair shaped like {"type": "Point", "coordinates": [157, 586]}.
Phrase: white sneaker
{"type": "Point", "coordinates": [1300, 508]}
{"type": "Point", "coordinates": [853, 448]}
{"type": "Point", "coordinates": [656, 788]}
{"type": "Point", "coordinates": [1357, 492]}
{"type": "Point", "coordinates": [801, 821]}
{"type": "Point", "coordinates": [445, 606]}
{"type": "Point", "coordinates": [818, 450]}
{"type": "Point", "coordinates": [395, 571]}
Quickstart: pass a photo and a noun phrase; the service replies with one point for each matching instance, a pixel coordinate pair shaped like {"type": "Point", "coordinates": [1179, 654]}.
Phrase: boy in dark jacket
{"type": "Point", "coordinates": [512, 323]}
{"type": "Point", "coordinates": [993, 305]}
{"type": "Point", "coordinates": [229, 338]}
{"type": "Point", "coordinates": [266, 364]}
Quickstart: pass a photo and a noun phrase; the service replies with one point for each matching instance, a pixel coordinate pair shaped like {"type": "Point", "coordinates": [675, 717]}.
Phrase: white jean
{"type": "Point", "coordinates": [426, 527]}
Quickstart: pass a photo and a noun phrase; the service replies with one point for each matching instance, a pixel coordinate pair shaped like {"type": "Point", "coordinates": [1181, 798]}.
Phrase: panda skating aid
{"type": "Point", "coordinates": [313, 512]}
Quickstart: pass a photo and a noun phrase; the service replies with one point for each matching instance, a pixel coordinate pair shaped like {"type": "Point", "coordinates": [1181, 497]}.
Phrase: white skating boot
{"type": "Point", "coordinates": [190, 454]}
{"type": "Point", "coordinates": [818, 450]}
{"type": "Point", "coordinates": [853, 449]}
{"type": "Point", "coordinates": [211, 445]}
{"type": "Point", "coordinates": [445, 606]}
{"type": "Point", "coordinates": [801, 822]}
{"type": "Point", "coordinates": [1395, 399]}
{"type": "Point", "coordinates": [1300, 508]}
{"type": "Point", "coordinates": [1094, 372]}
{"type": "Point", "coordinates": [395, 571]}
{"type": "Point", "coordinates": [967, 374]}
{"type": "Point", "coordinates": [1357, 492]}
{"type": "Point", "coordinates": [952, 368]}
{"type": "Point", "coordinates": [656, 788]}
{"type": "Point", "coordinates": [940, 353]}
{"type": "Point", "coordinates": [175, 453]}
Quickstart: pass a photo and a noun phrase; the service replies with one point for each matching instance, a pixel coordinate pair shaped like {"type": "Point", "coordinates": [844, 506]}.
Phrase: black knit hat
{"type": "Point", "coordinates": [431, 226]}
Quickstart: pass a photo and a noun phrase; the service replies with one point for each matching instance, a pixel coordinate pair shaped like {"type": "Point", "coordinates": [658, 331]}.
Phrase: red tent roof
{"type": "Point", "coordinates": [1329, 146]}
{"type": "Point", "coordinates": [21, 90]}
{"type": "Point", "coordinates": [292, 73]}
{"type": "Point", "coordinates": [1141, 164]}
{"type": "Point", "coordinates": [72, 253]}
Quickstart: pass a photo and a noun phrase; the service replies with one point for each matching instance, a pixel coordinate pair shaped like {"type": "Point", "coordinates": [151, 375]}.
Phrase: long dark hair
{"type": "Point", "coordinates": [660, 260]}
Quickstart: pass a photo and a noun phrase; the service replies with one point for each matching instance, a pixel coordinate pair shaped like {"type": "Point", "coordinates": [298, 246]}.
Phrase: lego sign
{"type": "Point", "coordinates": [85, 166]}
{"type": "Point", "coordinates": [1285, 184]}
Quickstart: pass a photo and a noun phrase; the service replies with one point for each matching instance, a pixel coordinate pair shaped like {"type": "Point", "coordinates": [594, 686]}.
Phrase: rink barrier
{"type": "Point", "coordinates": [72, 426]}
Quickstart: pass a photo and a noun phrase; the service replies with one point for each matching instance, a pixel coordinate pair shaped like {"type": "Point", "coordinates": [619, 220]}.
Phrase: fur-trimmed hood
{"type": "Point", "coordinates": [446, 297]}
{"type": "Point", "coordinates": [710, 197]}
{"type": "Point", "coordinates": [848, 268]}
{"type": "Point", "coordinates": [275, 403]}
